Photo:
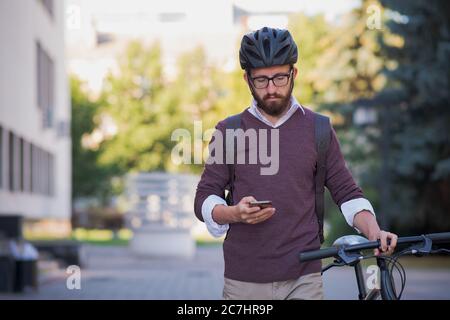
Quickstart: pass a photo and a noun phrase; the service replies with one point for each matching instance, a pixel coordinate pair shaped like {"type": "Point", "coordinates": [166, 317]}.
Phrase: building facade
{"type": "Point", "coordinates": [35, 144]}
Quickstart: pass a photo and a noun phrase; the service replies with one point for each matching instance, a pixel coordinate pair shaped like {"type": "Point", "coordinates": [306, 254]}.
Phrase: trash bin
{"type": "Point", "coordinates": [25, 258]}
{"type": "Point", "coordinates": [7, 268]}
{"type": "Point", "coordinates": [18, 258]}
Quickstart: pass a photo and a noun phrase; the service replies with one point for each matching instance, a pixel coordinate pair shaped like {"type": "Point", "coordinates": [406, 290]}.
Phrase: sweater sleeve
{"type": "Point", "coordinates": [339, 180]}
{"type": "Point", "coordinates": [215, 176]}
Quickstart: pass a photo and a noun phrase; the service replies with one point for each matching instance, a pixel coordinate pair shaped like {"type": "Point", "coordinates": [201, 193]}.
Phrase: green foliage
{"type": "Point", "coordinates": [419, 114]}
{"type": "Point", "coordinates": [143, 114]}
{"type": "Point", "coordinates": [401, 71]}
{"type": "Point", "coordinates": [349, 66]}
{"type": "Point", "coordinates": [88, 177]}
{"type": "Point", "coordinates": [147, 108]}
{"type": "Point", "coordinates": [342, 64]}
{"type": "Point", "coordinates": [310, 35]}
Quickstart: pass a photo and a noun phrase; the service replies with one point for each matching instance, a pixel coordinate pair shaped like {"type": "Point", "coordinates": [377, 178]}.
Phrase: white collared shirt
{"type": "Point", "coordinates": [349, 208]}
{"type": "Point", "coordinates": [294, 105]}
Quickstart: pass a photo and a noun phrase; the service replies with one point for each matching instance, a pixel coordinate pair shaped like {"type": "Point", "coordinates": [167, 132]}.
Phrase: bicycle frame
{"type": "Point", "coordinates": [386, 289]}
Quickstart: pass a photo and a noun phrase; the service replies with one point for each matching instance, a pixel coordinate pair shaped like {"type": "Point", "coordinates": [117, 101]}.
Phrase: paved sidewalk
{"type": "Point", "coordinates": [115, 273]}
{"type": "Point", "coordinates": [421, 284]}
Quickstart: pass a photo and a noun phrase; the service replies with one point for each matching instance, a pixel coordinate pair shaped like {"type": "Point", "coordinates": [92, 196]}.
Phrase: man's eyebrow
{"type": "Point", "coordinates": [266, 76]}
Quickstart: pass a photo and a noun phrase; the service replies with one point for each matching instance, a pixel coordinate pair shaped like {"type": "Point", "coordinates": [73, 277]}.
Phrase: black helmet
{"type": "Point", "coordinates": [267, 47]}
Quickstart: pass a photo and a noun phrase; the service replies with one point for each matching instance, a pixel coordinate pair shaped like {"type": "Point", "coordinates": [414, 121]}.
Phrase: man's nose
{"type": "Point", "coordinates": [271, 88]}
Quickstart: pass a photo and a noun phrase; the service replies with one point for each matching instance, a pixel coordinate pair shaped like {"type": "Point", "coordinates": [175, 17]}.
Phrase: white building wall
{"type": "Point", "coordinates": [22, 23]}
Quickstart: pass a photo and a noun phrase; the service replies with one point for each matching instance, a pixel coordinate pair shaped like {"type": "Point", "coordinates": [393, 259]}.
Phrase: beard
{"type": "Point", "coordinates": [273, 107]}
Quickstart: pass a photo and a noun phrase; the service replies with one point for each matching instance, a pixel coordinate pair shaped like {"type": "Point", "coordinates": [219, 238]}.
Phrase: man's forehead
{"type": "Point", "coordinates": [270, 70]}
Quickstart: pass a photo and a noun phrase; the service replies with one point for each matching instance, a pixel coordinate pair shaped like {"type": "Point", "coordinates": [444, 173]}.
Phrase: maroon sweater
{"type": "Point", "coordinates": [268, 251]}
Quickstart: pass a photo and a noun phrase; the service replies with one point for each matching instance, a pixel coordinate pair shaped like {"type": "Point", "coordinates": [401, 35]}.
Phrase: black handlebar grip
{"type": "Point", "coordinates": [439, 237]}
{"type": "Point", "coordinates": [318, 254]}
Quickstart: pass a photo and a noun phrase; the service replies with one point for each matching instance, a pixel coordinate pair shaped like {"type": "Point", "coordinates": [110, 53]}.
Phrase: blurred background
{"type": "Point", "coordinates": [92, 91]}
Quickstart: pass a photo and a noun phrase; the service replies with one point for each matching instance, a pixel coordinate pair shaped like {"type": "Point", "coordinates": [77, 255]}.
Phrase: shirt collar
{"type": "Point", "coordinates": [294, 105]}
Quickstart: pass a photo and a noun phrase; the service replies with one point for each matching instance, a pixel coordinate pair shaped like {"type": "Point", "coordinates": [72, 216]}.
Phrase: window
{"type": "Point", "coordinates": [34, 169]}
{"type": "Point", "coordinates": [51, 175]}
{"type": "Point", "coordinates": [46, 174]}
{"type": "Point", "coordinates": [1, 157]}
{"type": "Point", "coordinates": [21, 165]}
{"type": "Point", "coordinates": [45, 85]}
{"type": "Point", "coordinates": [30, 168]}
{"type": "Point", "coordinates": [11, 166]}
{"type": "Point", "coordinates": [25, 166]}
{"type": "Point", "coordinates": [37, 171]}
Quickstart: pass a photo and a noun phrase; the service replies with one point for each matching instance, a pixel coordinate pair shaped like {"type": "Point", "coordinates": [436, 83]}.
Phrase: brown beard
{"type": "Point", "coordinates": [273, 108]}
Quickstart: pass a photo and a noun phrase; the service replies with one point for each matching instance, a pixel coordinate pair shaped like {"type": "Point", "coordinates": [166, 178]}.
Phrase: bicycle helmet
{"type": "Point", "coordinates": [267, 47]}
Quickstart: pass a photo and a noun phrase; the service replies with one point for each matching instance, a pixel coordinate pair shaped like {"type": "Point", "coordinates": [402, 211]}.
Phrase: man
{"type": "Point", "coordinates": [262, 244]}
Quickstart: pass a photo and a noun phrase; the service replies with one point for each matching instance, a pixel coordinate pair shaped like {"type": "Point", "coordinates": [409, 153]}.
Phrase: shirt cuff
{"type": "Point", "coordinates": [352, 207]}
{"type": "Point", "coordinates": [215, 229]}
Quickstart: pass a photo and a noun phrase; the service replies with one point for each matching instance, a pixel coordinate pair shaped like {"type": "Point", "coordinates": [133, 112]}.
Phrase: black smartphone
{"type": "Point", "coordinates": [262, 204]}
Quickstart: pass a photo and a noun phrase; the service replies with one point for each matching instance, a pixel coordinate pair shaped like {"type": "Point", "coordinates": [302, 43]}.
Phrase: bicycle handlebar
{"type": "Point", "coordinates": [318, 254]}
{"type": "Point", "coordinates": [333, 251]}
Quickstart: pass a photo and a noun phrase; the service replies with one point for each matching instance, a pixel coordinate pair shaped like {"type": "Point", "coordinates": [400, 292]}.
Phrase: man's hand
{"type": "Point", "coordinates": [383, 236]}
{"type": "Point", "coordinates": [252, 215]}
{"type": "Point", "coordinates": [241, 212]}
{"type": "Point", "coordinates": [367, 224]}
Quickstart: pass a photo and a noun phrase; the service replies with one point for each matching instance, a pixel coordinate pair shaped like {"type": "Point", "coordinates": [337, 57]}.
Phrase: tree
{"type": "Point", "coordinates": [196, 92]}
{"type": "Point", "coordinates": [147, 108]}
{"type": "Point", "coordinates": [132, 99]}
{"type": "Point", "coordinates": [342, 64]}
{"type": "Point", "coordinates": [419, 114]}
{"type": "Point", "coordinates": [89, 179]}
{"type": "Point", "coordinates": [310, 34]}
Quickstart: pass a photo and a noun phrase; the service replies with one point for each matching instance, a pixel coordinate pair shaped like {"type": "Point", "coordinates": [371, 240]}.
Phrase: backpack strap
{"type": "Point", "coordinates": [232, 122]}
{"type": "Point", "coordinates": [322, 141]}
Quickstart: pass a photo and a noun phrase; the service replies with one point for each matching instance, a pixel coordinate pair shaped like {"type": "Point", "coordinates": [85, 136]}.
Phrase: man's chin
{"type": "Point", "coordinates": [273, 109]}
{"type": "Point", "coordinates": [273, 112]}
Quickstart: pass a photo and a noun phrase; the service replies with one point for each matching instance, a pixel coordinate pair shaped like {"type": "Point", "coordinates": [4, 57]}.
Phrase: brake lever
{"type": "Point", "coordinates": [349, 259]}
{"type": "Point", "coordinates": [336, 263]}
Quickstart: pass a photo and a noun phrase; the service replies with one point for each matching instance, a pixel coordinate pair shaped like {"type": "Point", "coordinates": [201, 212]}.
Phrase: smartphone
{"type": "Point", "coordinates": [262, 204]}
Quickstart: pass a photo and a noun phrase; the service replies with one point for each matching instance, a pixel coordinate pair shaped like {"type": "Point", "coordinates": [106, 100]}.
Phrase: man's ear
{"type": "Point", "coordinates": [295, 72]}
{"type": "Point", "coordinates": [246, 77]}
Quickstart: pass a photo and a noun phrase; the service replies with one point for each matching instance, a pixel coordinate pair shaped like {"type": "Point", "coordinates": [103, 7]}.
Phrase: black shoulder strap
{"type": "Point", "coordinates": [232, 122]}
{"type": "Point", "coordinates": [322, 140]}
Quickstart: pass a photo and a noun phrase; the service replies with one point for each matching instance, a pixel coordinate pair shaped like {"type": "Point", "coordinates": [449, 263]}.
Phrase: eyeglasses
{"type": "Point", "coordinates": [279, 80]}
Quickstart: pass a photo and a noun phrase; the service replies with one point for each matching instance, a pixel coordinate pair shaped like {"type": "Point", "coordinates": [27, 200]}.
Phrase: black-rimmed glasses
{"type": "Point", "coordinates": [279, 80]}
